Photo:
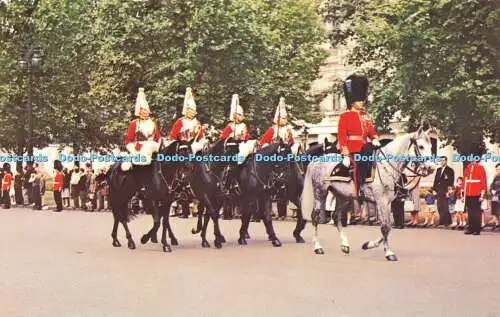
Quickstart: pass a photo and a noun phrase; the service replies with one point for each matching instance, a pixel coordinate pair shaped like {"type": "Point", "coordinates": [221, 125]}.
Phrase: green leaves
{"type": "Point", "coordinates": [98, 53]}
{"type": "Point", "coordinates": [437, 60]}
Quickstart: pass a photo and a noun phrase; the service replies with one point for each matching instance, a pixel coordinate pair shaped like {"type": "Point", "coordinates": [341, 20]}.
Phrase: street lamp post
{"type": "Point", "coordinates": [31, 59]}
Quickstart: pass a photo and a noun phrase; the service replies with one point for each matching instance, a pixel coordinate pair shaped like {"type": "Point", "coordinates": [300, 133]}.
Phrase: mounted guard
{"type": "Point", "coordinates": [281, 129]}
{"type": "Point", "coordinates": [143, 135]}
{"type": "Point", "coordinates": [188, 127]}
{"type": "Point", "coordinates": [356, 130]}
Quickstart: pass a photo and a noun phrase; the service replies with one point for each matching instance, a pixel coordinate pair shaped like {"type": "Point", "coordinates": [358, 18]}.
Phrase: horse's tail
{"type": "Point", "coordinates": [307, 198]}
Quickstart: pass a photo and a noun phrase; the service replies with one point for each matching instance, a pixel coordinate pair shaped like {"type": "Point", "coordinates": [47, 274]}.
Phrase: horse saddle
{"type": "Point", "coordinates": [340, 173]}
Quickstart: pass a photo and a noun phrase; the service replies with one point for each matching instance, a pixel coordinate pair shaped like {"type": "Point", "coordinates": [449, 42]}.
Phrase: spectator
{"type": "Point", "coordinates": [36, 181]}
{"type": "Point", "coordinates": [445, 178]}
{"type": "Point", "coordinates": [460, 204]}
{"type": "Point", "coordinates": [18, 187]}
{"type": "Point", "coordinates": [75, 190]}
{"type": "Point", "coordinates": [413, 200]}
{"type": "Point", "coordinates": [92, 191]}
{"type": "Point", "coordinates": [83, 186]}
{"type": "Point", "coordinates": [6, 184]}
{"type": "Point", "coordinates": [28, 183]}
{"type": "Point", "coordinates": [430, 201]}
{"type": "Point", "coordinates": [101, 188]}
{"type": "Point", "coordinates": [452, 199]}
{"type": "Point", "coordinates": [475, 189]}
{"type": "Point", "coordinates": [66, 186]}
{"type": "Point", "coordinates": [495, 198]}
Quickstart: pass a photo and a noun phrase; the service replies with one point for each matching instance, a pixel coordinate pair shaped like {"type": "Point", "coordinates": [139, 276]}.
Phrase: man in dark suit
{"type": "Point", "coordinates": [445, 177]}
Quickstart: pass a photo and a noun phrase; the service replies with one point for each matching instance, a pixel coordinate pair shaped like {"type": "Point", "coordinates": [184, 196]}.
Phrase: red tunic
{"type": "Point", "coordinates": [184, 129]}
{"type": "Point", "coordinates": [475, 179]}
{"type": "Point", "coordinates": [6, 181]}
{"type": "Point", "coordinates": [153, 135]}
{"type": "Point", "coordinates": [354, 129]}
{"type": "Point", "coordinates": [272, 134]}
{"type": "Point", "coordinates": [236, 131]}
{"type": "Point", "coordinates": [58, 182]}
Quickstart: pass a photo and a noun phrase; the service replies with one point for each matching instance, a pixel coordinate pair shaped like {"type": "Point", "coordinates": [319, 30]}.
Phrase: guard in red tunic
{"type": "Point", "coordinates": [356, 130]}
{"type": "Point", "coordinates": [143, 134]}
{"type": "Point", "coordinates": [280, 129]}
{"type": "Point", "coordinates": [58, 185]}
{"type": "Point", "coordinates": [6, 183]}
{"type": "Point", "coordinates": [475, 188]}
{"type": "Point", "coordinates": [236, 129]}
{"type": "Point", "coordinates": [187, 127]}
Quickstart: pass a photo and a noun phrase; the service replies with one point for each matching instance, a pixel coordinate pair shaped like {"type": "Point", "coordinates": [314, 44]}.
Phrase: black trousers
{"type": "Point", "coordinates": [444, 214]}
{"type": "Point", "coordinates": [37, 198]}
{"type": "Point", "coordinates": [398, 212]}
{"type": "Point", "coordinates": [6, 199]}
{"type": "Point", "coordinates": [29, 193]}
{"type": "Point", "coordinates": [473, 206]}
{"type": "Point", "coordinates": [58, 200]}
{"type": "Point", "coordinates": [18, 192]}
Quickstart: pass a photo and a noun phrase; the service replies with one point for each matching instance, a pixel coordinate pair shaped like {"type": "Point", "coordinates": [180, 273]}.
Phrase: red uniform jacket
{"type": "Point", "coordinates": [354, 129]}
{"type": "Point", "coordinates": [58, 182]}
{"type": "Point", "coordinates": [272, 134]}
{"type": "Point", "coordinates": [6, 181]}
{"type": "Point", "coordinates": [184, 129]}
{"type": "Point", "coordinates": [150, 135]}
{"type": "Point", "coordinates": [237, 131]}
{"type": "Point", "coordinates": [475, 179]}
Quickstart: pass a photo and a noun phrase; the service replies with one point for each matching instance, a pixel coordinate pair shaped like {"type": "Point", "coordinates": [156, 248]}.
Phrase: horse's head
{"type": "Point", "coordinates": [421, 146]}
{"type": "Point", "coordinates": [231, 146]}
{"type": "Point", "coordinates": [329, 147]}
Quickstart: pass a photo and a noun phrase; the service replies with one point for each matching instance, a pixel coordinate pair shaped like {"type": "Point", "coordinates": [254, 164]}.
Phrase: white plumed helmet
{"type": "Point", "coordinates": [280, 111]}
{"type": "Point", "coordinates": [188, 101]}
{"type": "Point", "coordinates": [141, 102]}
{"type": "Point", "coordinates": [235, 107]}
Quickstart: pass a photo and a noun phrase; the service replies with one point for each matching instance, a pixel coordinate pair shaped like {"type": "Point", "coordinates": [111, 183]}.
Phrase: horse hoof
{"type": "Point", "coordinates": [222, 239]}
{"type": "Point", "coordinates": [154, 239]}
{"type": "Point", "coordinates": [319, 251]}
{"type": "Point", "coordinates": [167, 248]}
{"type": "Point", "coordinates": [145, 239]}
{"type": "Point", "coordinates": [174, 241]}
{"type": "Point", "coordinates": [247, 236]}
{"type": "Point", "coordinates": [116, 243]}
{"type": "Point", "coordinates": [131, 245]}
{"type": "Point", "coordinates": [242, 241]}
{"type": "Point", "coordinates": [365, 246]}
{"type": "Point", "coordinates": [345, 249]}
{"type": "Point", "coordinates": [194, 231]}
{"type": "Point", "coordinates": [218, 244]}
{"type": "Point", "coordinates": [391, 257]}
{"type": "Point", "coordinates": [205, 244]}
{"type": "Point", "coordinates": [299, 239]}
{"type": "Point", "coordinates": [276, 243]}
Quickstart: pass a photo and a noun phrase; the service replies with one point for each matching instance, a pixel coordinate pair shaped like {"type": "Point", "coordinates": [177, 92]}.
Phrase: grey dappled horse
{"type": "Point", "coordinates": [379, 193]}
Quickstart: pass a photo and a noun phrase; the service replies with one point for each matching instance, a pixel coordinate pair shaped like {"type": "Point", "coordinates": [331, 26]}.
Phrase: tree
{"type": "Point", "coordinates": [434, 60]}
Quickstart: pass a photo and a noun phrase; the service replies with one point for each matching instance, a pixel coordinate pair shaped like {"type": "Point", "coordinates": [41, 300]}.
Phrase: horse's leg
{"type": "Point", "coordinates": [268, 222]}
{"type": "Point", "coordinates": [130, 243]}
{"type": "Point", "coordinates": [385, 228]}
{"type": "Point", "coordinates": [301, 223]}
{"type": "Point", "coordinates": [166, 218]}
{"type": "Point", "coordinates": [165, 225]}
{"type": "Point", "coordinates": [340, 208]}
{"type": "Point", "coordinates": [156, 224]}
{"type": "Point", "coordinates": [204, 242]}
{"type": "Point", "coordinates": [245, 221]}
{"type": "Point", "coordinates": [114, 232]}
{"type": "Point", "coordinates": [199, 223]}
{"type": "Point", "coordinates": [219, 238]}
{"type": "Point", "coordinates": [318, 249]}
{"type": "Point", "coordinates": [376, 243]}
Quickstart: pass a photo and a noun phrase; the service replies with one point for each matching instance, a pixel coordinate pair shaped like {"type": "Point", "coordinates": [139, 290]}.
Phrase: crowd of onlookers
{"type": "Point", "coordinates": [83, 188]}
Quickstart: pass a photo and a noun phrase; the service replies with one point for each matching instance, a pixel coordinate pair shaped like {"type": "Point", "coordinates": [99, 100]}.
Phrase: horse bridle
{"type": "Point", "coordinates": [415, 173]}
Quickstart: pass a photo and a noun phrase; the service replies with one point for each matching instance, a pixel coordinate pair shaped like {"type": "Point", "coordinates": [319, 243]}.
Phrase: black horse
{"type": "Point", "coordinates": [158, 181]}
{"type": "Point", "coordinates": [259, 179]}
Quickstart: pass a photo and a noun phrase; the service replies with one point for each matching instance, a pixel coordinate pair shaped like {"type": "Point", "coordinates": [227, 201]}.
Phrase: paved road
{"type": "Point", "coordinates": [63, 264]}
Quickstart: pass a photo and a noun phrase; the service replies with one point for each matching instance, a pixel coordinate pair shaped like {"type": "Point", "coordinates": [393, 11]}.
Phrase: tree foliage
{"type": "Point", "coordinates": [98, 53]}
{"type": "Point", "coordinates": [434, 60]}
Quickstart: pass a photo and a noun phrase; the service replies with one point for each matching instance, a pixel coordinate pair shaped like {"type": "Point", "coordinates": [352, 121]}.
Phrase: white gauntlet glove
{"type": "Point", "coordinates": [346, 161]}
{"type": "Point", "coordinates": [376, 142]}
